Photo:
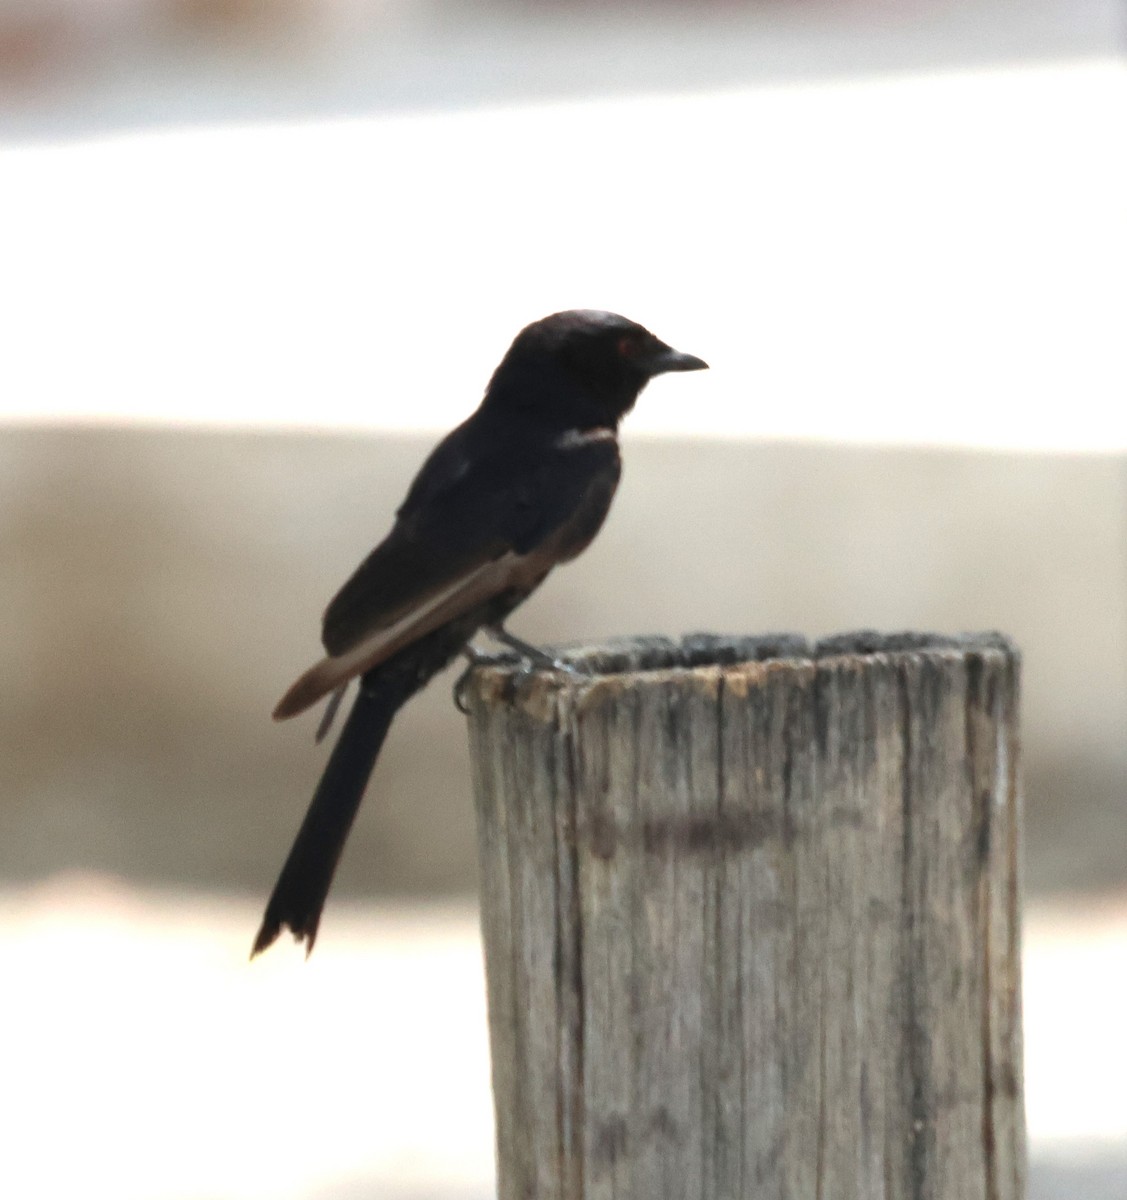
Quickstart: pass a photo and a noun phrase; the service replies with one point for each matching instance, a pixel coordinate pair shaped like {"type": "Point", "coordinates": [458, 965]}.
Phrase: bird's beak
{"type": "Point", "coordinates": [665, 358]}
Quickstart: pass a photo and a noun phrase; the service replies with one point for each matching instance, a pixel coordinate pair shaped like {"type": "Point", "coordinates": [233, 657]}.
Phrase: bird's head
{"type": "Point", "coordinates": [584, 358]}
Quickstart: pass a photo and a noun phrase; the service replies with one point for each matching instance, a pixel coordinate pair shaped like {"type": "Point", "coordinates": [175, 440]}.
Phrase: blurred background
{"type": "Point", "coordinates": [256, 257]}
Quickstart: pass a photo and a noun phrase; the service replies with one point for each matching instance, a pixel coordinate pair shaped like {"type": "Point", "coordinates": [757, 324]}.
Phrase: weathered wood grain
{"type": "Point", "coordinates": [751, 920]}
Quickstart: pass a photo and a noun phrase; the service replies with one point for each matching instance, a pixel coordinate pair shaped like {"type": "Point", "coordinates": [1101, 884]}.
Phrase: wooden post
{"type": "Point", "coordinates": [751, 920]}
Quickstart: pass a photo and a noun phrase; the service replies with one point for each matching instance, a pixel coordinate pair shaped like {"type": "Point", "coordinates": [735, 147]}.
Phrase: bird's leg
{"type": "Point", "coordinates": [531, 654]}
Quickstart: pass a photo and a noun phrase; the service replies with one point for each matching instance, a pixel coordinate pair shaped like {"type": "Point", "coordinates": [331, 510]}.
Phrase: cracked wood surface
{"type": "Point", "coordinates": [751, 920]}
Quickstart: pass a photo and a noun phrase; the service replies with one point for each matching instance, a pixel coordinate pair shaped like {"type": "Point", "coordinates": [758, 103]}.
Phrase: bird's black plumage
{"type": "Point", "coordinates": [521, 486]}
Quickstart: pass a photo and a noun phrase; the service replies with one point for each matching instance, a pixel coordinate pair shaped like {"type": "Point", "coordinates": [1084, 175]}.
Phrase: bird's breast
{"type": "Point", "coordinates": [595, 461]}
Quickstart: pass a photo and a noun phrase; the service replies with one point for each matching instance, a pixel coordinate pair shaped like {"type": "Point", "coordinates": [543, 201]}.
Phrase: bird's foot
{"type": "Point", "coordinates": [532, 659]}
{"type": "Point", "coordinates": [533, 656]}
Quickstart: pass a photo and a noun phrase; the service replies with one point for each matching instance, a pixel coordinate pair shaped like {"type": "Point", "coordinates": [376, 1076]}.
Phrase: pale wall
{"type": "Point", "coordinates": [161, 588]}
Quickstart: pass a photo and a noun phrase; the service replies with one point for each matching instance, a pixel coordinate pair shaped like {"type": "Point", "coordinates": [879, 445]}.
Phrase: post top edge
{"type": "Point", "coordinates": [658, 658]}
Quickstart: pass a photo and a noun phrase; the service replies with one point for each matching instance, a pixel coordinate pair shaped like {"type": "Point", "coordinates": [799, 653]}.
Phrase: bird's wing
{"type": "Point", "coordinates": [500, 524]}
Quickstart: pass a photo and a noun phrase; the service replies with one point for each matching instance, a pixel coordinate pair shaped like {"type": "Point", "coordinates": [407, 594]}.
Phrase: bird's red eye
{"type": "Point", "coordinates": [628, 345]}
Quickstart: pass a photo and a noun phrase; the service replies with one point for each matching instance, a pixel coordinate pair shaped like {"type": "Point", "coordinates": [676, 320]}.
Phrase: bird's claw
{"type": "Point", "coordinates": [528, 667]}
{"type": "Point", "coordinates": [529, 660]}
{"type": "Point", "coordinates": [459, 690]}
{"type": "Point", "coordinates": [558, 664]}
{"type": "Point", "coordinates": [475, 658]}
{"type": "Point", "coordinates": [532, 655]}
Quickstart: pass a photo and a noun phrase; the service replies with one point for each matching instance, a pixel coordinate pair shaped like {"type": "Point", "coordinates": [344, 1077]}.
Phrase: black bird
{"type": "Point", "coordinates": [522, 485]}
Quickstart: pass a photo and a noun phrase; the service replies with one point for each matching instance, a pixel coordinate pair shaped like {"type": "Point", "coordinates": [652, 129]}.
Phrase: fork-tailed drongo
{"type": "Point", "coordinates": [522, 485]}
